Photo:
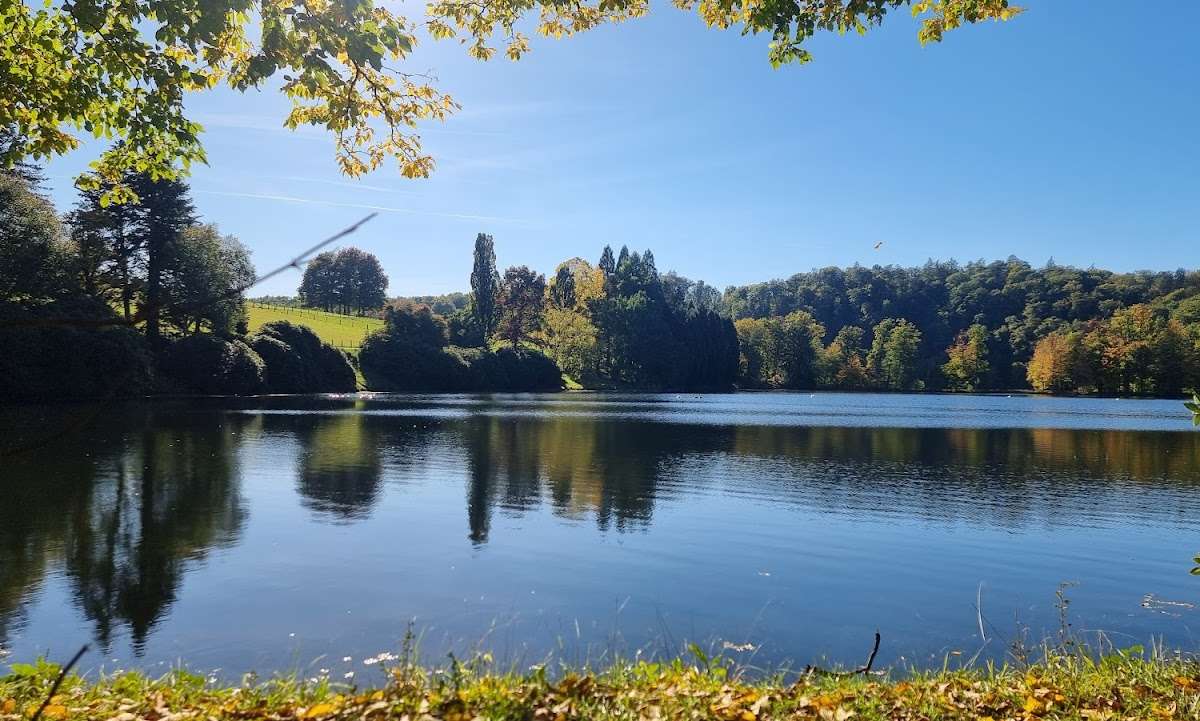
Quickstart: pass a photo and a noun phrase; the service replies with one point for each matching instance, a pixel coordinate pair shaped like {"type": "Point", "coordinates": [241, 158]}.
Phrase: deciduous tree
{"type": "Point", "coordinates": [32, 253]}
{"type": "Point", "coordinates": [204, 268]}
{"type": "Point", "coordinates": [967, 365]}
{"type": "Point", "coordinates": [520, 302]}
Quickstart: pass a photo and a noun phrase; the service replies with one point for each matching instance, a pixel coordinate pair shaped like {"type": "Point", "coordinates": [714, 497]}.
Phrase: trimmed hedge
{"type": "Point", "coordinates": [519, 370]}
{"type": "Point", "coordinates": [212, 365]}
{"type": "Point", "coordinates": [298, 362]}
{"type": "Point", "coordinates": [390, 364]}
{"type": "Point", "coordinates": [70, 363]}
{"type": "Point", "coordinates": [60, 361]}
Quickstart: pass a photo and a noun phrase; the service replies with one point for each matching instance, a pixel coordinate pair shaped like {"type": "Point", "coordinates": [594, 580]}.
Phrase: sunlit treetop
{"type": "Point", "coordinates": [119, 69]}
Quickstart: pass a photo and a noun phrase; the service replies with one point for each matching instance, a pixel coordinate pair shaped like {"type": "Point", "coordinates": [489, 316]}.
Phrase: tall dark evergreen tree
{"type": "Point", "coordinates": [607, 263]}
{"type": "Point", "coordinates": [562, 288]}
{"type": "Point", "coordinates": [485, 285]}
{"type": "Point", "coordinates": [110, 248]}
{"type": "Point", "coordinates": [165, 210]}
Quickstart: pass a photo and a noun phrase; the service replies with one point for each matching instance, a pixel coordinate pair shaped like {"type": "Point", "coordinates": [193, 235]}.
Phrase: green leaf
{"type": "Point", "coordinates": [23, 669]}
{"type": "Point", "coordinates": [1195, 571]}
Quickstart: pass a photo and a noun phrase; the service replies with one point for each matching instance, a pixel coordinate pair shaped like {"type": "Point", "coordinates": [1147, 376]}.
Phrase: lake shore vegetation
{"type": "Point", "coordinates": [1120, 686]}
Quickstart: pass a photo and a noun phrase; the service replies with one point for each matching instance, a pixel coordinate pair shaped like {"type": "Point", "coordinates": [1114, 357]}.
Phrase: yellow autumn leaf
{"type": "Point", "coordinates": [55, 710]}
{"type": "Point", "coordinates": [8, 706]}
{"type": "Point", "coordinates": [319, 710]}
{"type": "Point", "coordinates": [1032, 705]}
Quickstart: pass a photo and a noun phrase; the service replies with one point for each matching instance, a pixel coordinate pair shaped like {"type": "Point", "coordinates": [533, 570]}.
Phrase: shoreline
{"type": "Point", "coordinates": [13, 402]}
{"type": "Point", "coordinates": [1124, 685]}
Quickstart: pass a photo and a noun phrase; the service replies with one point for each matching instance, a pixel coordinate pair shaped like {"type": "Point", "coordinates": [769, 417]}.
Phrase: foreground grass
{"type": "Point", "coordinates": [1059, 688]}
{"type": "Point", "coordinates": [344, 331]}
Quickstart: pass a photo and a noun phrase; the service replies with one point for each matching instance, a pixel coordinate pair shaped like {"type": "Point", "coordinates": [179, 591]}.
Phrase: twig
{"type": "Point", "coordinates": [871, 658]}
{"type": "Point", "coordinates": [58, 681]}
{"type": "Point", "coordinates": [818, 671]}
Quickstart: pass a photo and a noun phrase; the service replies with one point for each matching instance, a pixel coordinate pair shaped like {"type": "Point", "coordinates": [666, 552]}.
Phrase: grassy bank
{"type": "Point", "coordinates": [1060, 688]}
{"type": "Point", "coordinates": [346, 332]}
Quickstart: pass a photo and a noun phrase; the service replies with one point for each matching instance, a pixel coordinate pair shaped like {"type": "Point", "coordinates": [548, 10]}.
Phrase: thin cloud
{"type": "Point", "coordinates": [343, 184]}
{"type": "Point", "coordinates": [257, 122]}
{"type": "Point", "coordinates": [361, 206]}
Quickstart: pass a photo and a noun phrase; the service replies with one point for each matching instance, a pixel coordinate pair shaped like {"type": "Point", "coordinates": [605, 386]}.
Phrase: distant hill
{"type": "Point", "coordinates": [344, 331]}
{"type": "Point", "coordinates": [1015, 302]}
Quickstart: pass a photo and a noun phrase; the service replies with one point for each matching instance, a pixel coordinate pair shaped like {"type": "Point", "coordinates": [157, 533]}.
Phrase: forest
{"type": "Point", "coordinates": [143, 297]}
{"type": "Point", "coordinates": [1001, 325]}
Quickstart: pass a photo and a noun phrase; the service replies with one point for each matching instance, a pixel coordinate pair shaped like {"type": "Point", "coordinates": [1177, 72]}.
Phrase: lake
{"type": "Point", "coordinates": [311, 533]}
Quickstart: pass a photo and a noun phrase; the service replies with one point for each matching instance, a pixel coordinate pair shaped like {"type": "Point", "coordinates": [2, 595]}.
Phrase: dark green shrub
{"type": "Point", "coordinates": [66, 362]}
{"type": "Point", "coordinates": [284, 368]}
{"type": "Point", "coordinates": [336, 370]}
{"type": "Point", "coordinates": [48, 355]}
{"type": "Point", "coordinates": [519, 370]}
{"type": "Point", "coordinates": [415, 323]}
{"type": "Point", "coordinates": [298, 362]}
{"type": "Point", "coordinates": [212, 365]}
{"type": "Point", "coordinates": [390, 364]}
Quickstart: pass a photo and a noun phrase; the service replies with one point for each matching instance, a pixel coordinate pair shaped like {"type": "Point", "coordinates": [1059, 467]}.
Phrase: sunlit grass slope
{"type": "Point", "coordinates": [344, 331]}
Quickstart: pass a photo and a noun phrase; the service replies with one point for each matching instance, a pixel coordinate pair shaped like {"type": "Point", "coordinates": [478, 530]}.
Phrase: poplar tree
{"type": "Point", "coordinates": [485, 285]}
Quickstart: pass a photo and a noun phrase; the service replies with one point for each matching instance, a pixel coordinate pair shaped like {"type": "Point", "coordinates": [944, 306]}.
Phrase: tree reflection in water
{"type": "Point", "coordinates": [123, 509]}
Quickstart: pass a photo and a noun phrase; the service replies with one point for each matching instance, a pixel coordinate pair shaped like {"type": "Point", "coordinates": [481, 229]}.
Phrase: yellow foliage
{"type": "Point", "coordinates": [318, 711]}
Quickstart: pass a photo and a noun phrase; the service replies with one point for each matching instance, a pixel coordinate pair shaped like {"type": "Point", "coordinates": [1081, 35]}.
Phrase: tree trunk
{"type": "Point", "coordinates": [126, 288]}
{"type": "Point", "coordinates": [153, 286]}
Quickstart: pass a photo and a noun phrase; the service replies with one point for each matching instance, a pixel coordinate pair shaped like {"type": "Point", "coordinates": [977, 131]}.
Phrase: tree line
{"type": "Point", "coordinates": [974, 326]}
{"type": "Point", "coordinates": [978, 326]}
{"type": "Point", "coordinates": [616, 324]}
{"type": "Point", "coordinates": [136, 298]}
{"type": "Point", "coordinates": [152, 259]}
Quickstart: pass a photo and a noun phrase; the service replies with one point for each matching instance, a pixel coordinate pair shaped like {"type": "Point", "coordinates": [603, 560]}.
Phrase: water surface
{"type": "Point", "coordinates": [275, 534]}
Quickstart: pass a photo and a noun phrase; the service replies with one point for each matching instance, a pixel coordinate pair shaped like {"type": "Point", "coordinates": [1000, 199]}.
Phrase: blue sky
{"type": "Point", "coordinates": [1070, 132]}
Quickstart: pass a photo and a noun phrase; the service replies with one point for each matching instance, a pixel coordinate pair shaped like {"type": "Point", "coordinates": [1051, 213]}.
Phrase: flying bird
{"type": "Point", "coordinates": [879, 245]}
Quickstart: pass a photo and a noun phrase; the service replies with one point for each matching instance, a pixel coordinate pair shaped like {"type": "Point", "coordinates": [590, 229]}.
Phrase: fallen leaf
{"type": "Point", "coordinates": [319, 710]}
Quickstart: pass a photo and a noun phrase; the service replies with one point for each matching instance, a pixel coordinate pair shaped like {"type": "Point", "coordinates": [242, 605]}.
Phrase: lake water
{"type": "Point", "coordinates": [279, 534]}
